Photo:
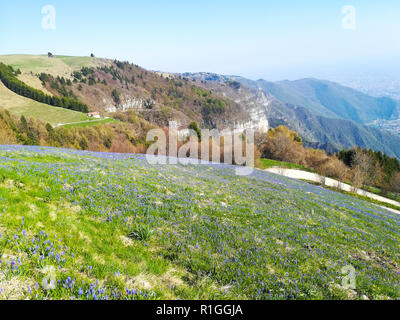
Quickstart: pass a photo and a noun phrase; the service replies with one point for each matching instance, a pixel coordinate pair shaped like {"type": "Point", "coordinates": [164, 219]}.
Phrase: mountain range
{"type": "Point", "coordinates": [327, 115]}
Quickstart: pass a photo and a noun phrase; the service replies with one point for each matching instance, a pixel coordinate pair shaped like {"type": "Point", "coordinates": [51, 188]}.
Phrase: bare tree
{"type": "Point", "coordinates": [395, 182]}
{"type": "Point", "coordinates": [365, 170]}
{"type": "Point", "coordinates": [6, 136]}
{"type": "Point", "coordinates": [322, 179]}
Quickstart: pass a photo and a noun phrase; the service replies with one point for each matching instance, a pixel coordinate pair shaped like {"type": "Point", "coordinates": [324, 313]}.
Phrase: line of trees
{"type": "Point", "coordinates": [9, 77]}
{"type": "Point", "coordinates": [373, 168]}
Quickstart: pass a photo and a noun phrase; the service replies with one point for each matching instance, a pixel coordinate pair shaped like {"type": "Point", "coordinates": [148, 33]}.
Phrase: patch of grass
{"type": "Point", "coordinates": [90, 123]}
{"type": "Point", "coordinates": [267, 163]}
{"type": "Point", "coordinates": [141, 232]}
{"type": "Point", "coordinates": [77, 63]}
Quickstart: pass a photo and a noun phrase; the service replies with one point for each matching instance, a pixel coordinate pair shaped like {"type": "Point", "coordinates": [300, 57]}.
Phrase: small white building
{"type": "Point", "coordinates": [95, 115]}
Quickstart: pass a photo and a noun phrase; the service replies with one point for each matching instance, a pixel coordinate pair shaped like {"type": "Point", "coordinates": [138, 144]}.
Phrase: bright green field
{"type": "Point", "coordinates": [90, 123]}
{"type": "Point", "coordinates": [112, 226]}
{"type": "Point", "coordinates": [19, 106]}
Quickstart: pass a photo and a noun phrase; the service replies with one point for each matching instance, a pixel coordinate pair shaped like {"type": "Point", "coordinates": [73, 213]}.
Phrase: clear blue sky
{"type": "Point", "coordinates": [258, 39]}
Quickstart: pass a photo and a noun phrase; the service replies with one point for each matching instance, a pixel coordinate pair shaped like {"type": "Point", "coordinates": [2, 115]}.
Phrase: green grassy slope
{"type": "Point", "coordinates": [30, 65]}
{"type": "Point", "coordinates": [19, 106]}
{"type": "Point", "coordinates": [108, 226]}
{"type": "Point", "coordinates": [90, 123]}
{"type": "Point", "coordinates": [268, 163]}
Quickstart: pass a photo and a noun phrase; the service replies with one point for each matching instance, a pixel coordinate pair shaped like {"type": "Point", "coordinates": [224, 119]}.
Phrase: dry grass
{"type": "Point", "coordinates": [13, 289]}
{"type": "Point", "coordinates": [34, 82]}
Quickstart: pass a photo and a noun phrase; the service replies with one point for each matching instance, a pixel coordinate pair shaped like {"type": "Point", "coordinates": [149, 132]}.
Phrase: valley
{"type": "Point", "coordinates": [388, 125]}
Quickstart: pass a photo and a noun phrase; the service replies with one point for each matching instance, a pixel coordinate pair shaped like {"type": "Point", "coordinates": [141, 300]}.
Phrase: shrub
{"type": "Point", "coordinates": [116, 96]}
{"type": "Point", "coordinates": [283, 145]}
{"type": "Point", "coordinates": [141, 232]}
{"type": "Point", "coordinates": [195, 127]}
{"type": "Point", "coordinates": [83, 144]}
{"type": "Point", "coordinates": [107, 143]}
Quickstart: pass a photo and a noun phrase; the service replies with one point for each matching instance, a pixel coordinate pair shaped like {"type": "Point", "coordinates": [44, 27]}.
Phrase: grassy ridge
{"type": "Point", "coordinates": [57, 66]}
{"type": "Point", "coordinates": [115, 227]}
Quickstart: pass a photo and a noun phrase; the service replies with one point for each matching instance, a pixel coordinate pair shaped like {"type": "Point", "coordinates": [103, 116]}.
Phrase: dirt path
{"type": "Point", "coordinates": [309, 176]}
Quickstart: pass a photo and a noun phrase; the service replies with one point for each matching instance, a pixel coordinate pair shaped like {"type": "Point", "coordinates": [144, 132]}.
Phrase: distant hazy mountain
{"type": "Point", "coordinates": [332, 100]}
{"type": "Point", "coordinates": [375, 85]}
{"type": "Point", "coordinates": [332, 134]}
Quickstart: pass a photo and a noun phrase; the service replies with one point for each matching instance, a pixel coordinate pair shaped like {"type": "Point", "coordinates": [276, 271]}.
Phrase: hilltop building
{"type": "Point", "coordinates": [95, 115]}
